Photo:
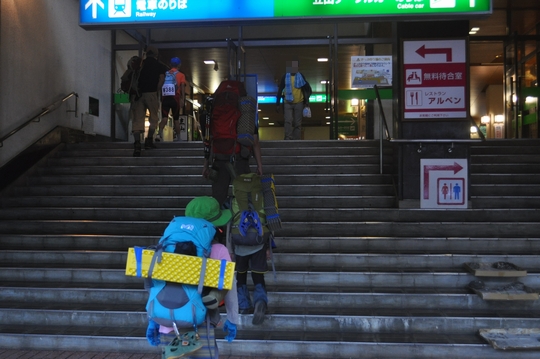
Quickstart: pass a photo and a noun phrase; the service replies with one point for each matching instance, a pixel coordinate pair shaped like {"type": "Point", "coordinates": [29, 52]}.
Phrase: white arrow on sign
{"type": "Point", "coordinates": [94, 4]}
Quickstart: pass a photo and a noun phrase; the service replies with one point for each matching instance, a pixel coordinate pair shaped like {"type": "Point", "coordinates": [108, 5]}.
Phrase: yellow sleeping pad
{"type": "Point", "coordinates": [180, 268]}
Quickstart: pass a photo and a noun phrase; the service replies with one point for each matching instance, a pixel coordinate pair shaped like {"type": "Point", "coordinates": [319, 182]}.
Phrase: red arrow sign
{"type": "Point", "coordinates": [444, 50]}
{"type": "Point", "coordinates": [455, 167]}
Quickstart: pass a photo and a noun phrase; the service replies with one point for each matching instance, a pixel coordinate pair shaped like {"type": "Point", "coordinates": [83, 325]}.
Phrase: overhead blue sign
{"type": "Point", "coordinates": [121, 12]}
{"type": "Point", "coordinates": [112, 12]}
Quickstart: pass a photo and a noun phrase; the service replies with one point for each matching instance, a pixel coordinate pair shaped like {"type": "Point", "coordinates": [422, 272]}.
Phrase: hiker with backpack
{"type": "Point", "coordinates": [228, 150]}
{"type": "Point", "coordinates": [129, 82]}
{"type": "Point", "coordinates": [173, 94]}
{"type": "Point", "coordinates": [151, 78]}
{"type": "Point", "coordinates": [295, 91]}
{"type": "Point", "coordinates": [194, 234]}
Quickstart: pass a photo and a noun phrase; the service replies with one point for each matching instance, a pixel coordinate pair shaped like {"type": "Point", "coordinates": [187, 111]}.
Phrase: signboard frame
{"type": "Point", "coordinates": [108, 14]}
{"type": "Point", "coordinates": [436, 96]}
{"type": "Point", "coordinates": [440, 180]}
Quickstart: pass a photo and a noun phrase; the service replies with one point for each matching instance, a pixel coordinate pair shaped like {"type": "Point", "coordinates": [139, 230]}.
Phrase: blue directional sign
{"type": "Point", "coordinates": [105, 13]}
{"type": "Point", "coordinates": [117, 12]}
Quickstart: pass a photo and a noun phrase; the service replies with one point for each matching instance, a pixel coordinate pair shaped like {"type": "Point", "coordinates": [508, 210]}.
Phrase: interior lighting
{"type": "Point", "coordinates": [209, 62]}
{"type": "Point", "coordinates": [322, 59]}
{"type": "Point", "coordinates": [324, 82]}
{"type": "Point", "coordinates": [485, 119]}
{"type": "Point", "coordinates": [270, 124]}
{"type": "Point", "coordinates": [473, 129]}
{"type": "Point", "coordinates": [266, 118]}
{"type": "Point", "coordinates": [499, 118]}
{"type": "Point", "coordinates": [354, 102]}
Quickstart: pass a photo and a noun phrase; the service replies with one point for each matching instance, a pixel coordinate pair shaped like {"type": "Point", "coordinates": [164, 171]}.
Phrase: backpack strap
{"type": "Point", "coordinates": [138, 258]}
{"type": "Point", "coordinates": [158, 253]}
{"type": "Point", "coordinates": [203, 273]}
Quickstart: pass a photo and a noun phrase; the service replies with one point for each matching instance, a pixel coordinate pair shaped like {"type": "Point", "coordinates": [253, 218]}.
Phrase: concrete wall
{"type": "Point", "coordinates": [45, 55]}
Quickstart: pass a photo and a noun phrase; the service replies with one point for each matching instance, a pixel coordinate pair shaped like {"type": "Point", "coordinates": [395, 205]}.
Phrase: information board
{"type": "Point", "coordinates": [435, 83]}
{"type": "Point", "coordinates": [106, 13]}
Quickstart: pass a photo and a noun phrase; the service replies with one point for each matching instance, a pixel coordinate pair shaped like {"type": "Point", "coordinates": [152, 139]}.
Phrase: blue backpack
{"type": "Point", "coordinates": [179, 304]}
{"type": "Point", "coordinates": [170, 86]}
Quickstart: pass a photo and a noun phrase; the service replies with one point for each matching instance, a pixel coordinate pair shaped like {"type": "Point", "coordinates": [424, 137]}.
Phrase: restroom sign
{"type": "Point", "coordinates": [435, 79]}
{"type": "Point", "coordinates": [443, 183]}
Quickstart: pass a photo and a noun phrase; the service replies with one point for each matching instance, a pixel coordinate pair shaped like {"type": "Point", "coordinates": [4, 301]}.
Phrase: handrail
{"type": "Point", "coordinates": [43, 112]}
{"type": "Point", "coordinates": [381, 122]}
{"type": "Point", "coordinates": [378, 95]}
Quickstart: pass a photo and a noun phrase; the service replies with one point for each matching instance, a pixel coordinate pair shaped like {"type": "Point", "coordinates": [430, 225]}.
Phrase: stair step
{"type": "Point", "coordinates": [410, 245]}
{"type": "Point", "coordinates": [355, 273]}
{"type": "Point", "coordinates": [196, 190]}
{"type": "Point", "coordinates": [439, 303]}
{"type": "Point", "coordinates": [402, 281]}
{"type": "Point", "coordinates": [343, 326]}
{"type": "Point", "coordinates": [312, 262]}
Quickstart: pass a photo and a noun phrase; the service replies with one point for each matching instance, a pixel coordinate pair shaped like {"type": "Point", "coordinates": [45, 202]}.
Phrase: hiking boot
{"type": "Point", "coordinates": [259, 312]}
{"type": "Point", "coordinates": [149, 144]}
{"type": "Point", "coordinates": [244, 301]}
{"type": "Point", "coordinates": [158, 138]}
{"type": "Point", "coordinates": [261, 299]}
{"type": "Point", "coordinates": [137, 149]}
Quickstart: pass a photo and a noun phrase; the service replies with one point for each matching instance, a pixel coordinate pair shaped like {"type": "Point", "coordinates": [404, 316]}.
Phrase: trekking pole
{"type": "Point", "coordinates": [207, 114]}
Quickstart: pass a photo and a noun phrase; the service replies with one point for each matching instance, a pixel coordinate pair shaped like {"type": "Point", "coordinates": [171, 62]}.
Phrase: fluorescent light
{"type": "Point", "coordinates": [499, 118]}
{"type": "Point", "coordinates": [322, 59]}
{"type": "Point", "coordinates": [485, 119]}
{"type": "Point", "coordinates": [270, 123]}
{"type": "Point", "coordinates": [266, 118]}
{"type": "Point", "coordinates": [473, 129]}
{"type": "Point", "coordinates": [209, 62]}
{"type": "Point", "coordinates": [475, 29]}
{"type": "Point", "coordinates": [324, 82]}
{"type": "Point", "coordinates": [354, 102]}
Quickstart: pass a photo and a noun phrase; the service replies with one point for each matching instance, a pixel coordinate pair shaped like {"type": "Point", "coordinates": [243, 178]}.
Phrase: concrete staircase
{"type": "Point", "coordinates": [356, 276]}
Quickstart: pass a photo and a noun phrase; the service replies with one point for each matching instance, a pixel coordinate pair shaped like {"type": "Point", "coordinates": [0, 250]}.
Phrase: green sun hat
{"type": "Point", "coordinates": [208, 208]}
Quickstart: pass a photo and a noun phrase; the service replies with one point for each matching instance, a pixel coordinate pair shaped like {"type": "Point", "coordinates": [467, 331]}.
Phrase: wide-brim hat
{"type": "Point", "coordinates": [208, 208]}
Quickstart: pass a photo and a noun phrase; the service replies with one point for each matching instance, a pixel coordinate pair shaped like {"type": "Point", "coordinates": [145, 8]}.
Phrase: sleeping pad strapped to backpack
{"type": "Point", "coordinates": [177, 303]}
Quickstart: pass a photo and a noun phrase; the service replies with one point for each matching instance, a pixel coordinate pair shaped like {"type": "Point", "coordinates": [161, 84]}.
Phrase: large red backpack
{"type": "Point", "coordinates": [225, 115]}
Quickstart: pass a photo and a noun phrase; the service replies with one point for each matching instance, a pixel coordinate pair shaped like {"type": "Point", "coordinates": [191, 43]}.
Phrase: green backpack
{"type": "Point", "coordinates": [254, 208]}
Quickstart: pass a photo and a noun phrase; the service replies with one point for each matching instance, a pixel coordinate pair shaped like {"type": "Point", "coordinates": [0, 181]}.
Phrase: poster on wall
{"type": "Point", "coordinates": [368, 71]}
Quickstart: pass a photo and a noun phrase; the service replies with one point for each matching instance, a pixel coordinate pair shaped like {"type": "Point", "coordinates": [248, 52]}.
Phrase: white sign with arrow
{"type": "Point", "coordinates": [435, 79]}
{"type": "Point", "coordinates": [94, 4]}
{"type": "Point", "coordinates": [443, 183]}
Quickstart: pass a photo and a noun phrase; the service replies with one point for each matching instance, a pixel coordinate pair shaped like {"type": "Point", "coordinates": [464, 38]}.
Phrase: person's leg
{"type": "Point", "coordinates": [165, 108]}
{"type": "Point", "coordinates": [220, 185]}
{"type": "Point", "coordinates": [152, 103]}
{"type": "Point", "coordinates": [137, 128]}
{"type": "Point", "coordinates": [259, 267]}
{"type": "Point", "coordinates": [297, 121]}
{"type": "Point", "coordinates": [288, 117]}
{"type": "Point", "coordinates": [244, 300]}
